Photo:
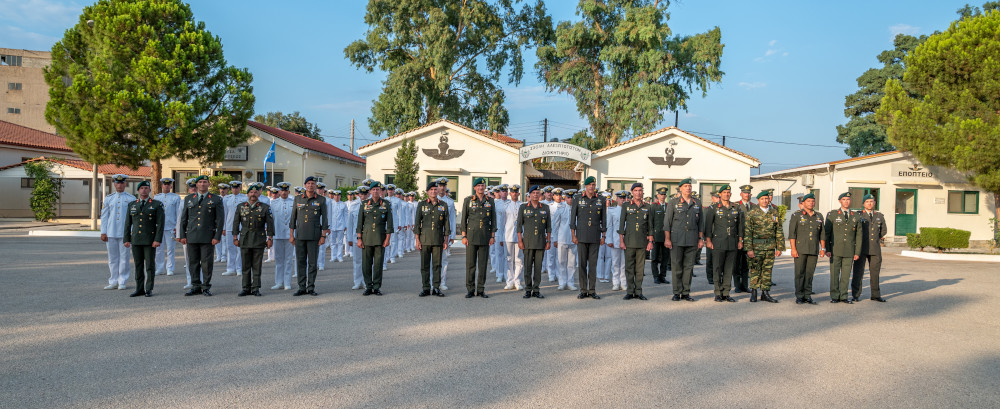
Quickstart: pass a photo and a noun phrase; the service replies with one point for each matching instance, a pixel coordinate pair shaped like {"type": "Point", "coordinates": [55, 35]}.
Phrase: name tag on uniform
{"type": "Point", "coordinates": [300, 205]}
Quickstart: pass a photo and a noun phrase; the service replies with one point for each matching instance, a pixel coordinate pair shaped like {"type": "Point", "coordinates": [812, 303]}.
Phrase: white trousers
{"type": "Point", "coordinates": [165, 253]}
{"type": "Point", "coordinates": [234, 260]}
{"type": "Point", "coordinates": [602, 268]}
{"type": "Point", "coordinates": [321, 258]}
{"type": "Point", "coordinates": [359, 278]}
{"type": "Point", "coordinates": [284, 262]}
{"type": "Point", "coordinates": [498, 257]}
{"type": "Point", "coordinates": [336, 243]}
{"type": "Point", "coordinates": [118, 257]}
{"type": "Point", "coordinates": [566, 264]}
{"type": "Point", "coordinates": [270, 254]}
{"type": "Point", "coordinates": [220, 249]}
{"type": "Point", "coordinates": [549, 262]}
{"type": "Point", "coordinates": [444, 263]}
{"type": "Point", "coordinates": [616, 266]}
{"type": "Point", "coordinates": [515, 264]}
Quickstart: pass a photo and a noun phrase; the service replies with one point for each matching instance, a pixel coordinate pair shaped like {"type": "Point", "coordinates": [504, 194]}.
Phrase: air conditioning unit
{"type": "Point", "coordinates": [808, 180]}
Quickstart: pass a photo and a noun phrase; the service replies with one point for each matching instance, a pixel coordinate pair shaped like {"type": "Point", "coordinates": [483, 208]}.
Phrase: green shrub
{"type": "Point", "coordinates": [45, 194]}
{"type": "Point", "coordinates": [913, 240]}
{"type": "Point", "coordinates": [943, 238]}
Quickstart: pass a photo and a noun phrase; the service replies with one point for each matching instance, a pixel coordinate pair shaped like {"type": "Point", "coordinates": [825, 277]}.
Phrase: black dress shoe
{"type": "Point", "coordinates": [207, 293]}
{"type": "Point", "coordinates": [710, 282]}
{"type": "Point", "coordinates": [676, 297]}
{"type": "Point", "coordinates": [595, 296]}
{"type": "Point", "coordinates": [482, 294]}
{"type": "Point", "coordinates": [256, 293]}
{"type": "Point", "coordinates": [424, 293]}
{"type": "Point", "coordinates": [437, 292]}
{"type": "Point", "coordinates": [303, 292]}
{"type": "Point", "coordinates": [149, 294]}
{"type": "Point", "coordinates": [847, 301]}
{"type": "Point", "coordinates": [834, 301]}
{"type": "Point", "coordinates": [581, 296]}
{"type": "Point", "coordinates": [243, 293]}
{"type": "Point", "coordinates": [855, 299]}
{"type": "Point", "coordinates": [375, 291]}
{"type": "Point", "coordinates": [527, 294]}
{"type": "Point", "coordinates": [687, 298]}
{"type": "Point", "coordinates": [799, 301]}
{"type": "Point", "coordinates": [627, 297]}
{"type": "Point", "coordinates": [810, 301]}
{"type": "Point", "coordinates": [470, 294]}
{"type": "Point", "coordinates": [718, 298]}
{"type": "Point", "coordinates": [537, 294]}
{"type": "Point", "coordinates": [137, 294]}
{"type": "Point", "coordinates": [656, 280]}
{"type": "Point", "coordinates": [312, 293]}
{"type": "Point", "coordinates": [737, 290]}
{"type": "Point", "coordinates": [641, 297]}
{"type": "Point", "coordinates": [192, 292]}
{"type": "Point", "coordinates": [766, 296]}
{"type": "Point", "coordinates": [879, 299]}
{"type": "Point", "coordinates": [729, 299]}
{"type": "Point", "coordinates": [366, 293]}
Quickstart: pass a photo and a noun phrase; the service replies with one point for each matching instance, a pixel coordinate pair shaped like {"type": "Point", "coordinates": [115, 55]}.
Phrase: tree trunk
{"type": "Point", "coordinates": [95, 199]}
{"type": "Point", "coordinates": [156, 176]}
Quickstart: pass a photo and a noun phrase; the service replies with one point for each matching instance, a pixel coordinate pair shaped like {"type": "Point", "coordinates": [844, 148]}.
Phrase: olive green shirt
{"type": "Point", "coordinates": [659, 212]}
{"type": "Point", "coordinates": [587, 219]}
{"type": "Point", "coordinates": [683, 221]}
{"type": "Point", "coordinates": [431, 223]}
{"type": "Point", "coordinates": [535, 225]}
{"type": "Point", "coordinates": [375, 221]}
{"type": "Point", "coordinates": [807, 231]}
{"type": "Point", "coordinates": [843, 233]}
{"type": "Point", "coordinates": [873, 229]}
{"type": "Point", "coordinates": [635, 224]}
{"type": "Point", "coordinates": [309, 217]}
{"type": "Point", "coordinates": [144, 222]}
{"type": "Point", "coordinates": [202, 220]}
{"type": "Point", "coordinates": [253, 224]}
{"type": "Point", "coordinates": [724, 225]}
{"type": "Point", "coordinates": [479, 219]}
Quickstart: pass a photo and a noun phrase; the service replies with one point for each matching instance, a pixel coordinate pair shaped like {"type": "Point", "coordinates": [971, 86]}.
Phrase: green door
{"type": "Point", "coordinates": [906, 211]}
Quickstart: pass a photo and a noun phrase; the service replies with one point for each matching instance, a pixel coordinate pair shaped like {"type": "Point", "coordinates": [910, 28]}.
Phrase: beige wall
{"type": "Point", "coordinates": [10, 155]}
{"type": "Point", "coordinates": [74, 199]}
{"type": "Point", "coordinates": [34, 93]}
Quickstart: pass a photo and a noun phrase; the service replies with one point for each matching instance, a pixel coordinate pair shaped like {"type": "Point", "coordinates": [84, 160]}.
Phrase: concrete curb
{"type": "Point", "coordinates": [64, 233]}
{"type": "Point", "coordinates": [951, 257]}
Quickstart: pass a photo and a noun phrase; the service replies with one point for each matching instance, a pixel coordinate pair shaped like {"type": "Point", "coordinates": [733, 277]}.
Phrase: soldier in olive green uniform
{"type": "Point", "coordinates": [873, 229]}
{"type": "Point", "coordinates": [534, 233]}
{"type": "Point", "coordinates": [684, 229]}
{"type": "Point", "coordinates": [253, 232]}
{"type": "Point", "coordinates": [479, 225]}
{"type": "Point", "coordinates": [430, 229]}
{"type": "Point", "coordinates": [724, 236]}
{"type": "Point", "coordinates": [805, 235]}
{"type": "Point", "coordinates": [660, 255]}
{"type": "Point", "coordinates": [202, 223]}
{"type": "Point", "coordinates": [741, 275]}
{"type": "Point", "coordinates": [309, 228]}
{"type": "Point", "coordinates": [764, 240]}
{"type": "Point", "coordinates": [843, 241]}
{"type": "Point", "coordinates": [635, 226]}
{"type": "Point", "coordinates": [144, 232]}
{"type": "Point", "coordinates": [374, 229]}
{"type": "Point", "coordinates": [587, 223]}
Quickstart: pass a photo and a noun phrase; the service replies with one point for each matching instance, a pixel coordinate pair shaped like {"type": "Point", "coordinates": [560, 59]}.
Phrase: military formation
{"type": "Point", "coordinates": [577, 238]}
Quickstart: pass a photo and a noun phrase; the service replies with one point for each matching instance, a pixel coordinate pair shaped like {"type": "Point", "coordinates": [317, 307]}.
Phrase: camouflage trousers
{"type": "Point", "coordinates": [760, 269]}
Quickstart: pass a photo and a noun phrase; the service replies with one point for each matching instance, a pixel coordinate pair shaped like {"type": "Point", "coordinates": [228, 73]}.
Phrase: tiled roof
{"type": "Point", "coordinates": [824, 164]}
{"type": "Point", "coordinates": [504, 139]}
{"type": "Point", "coordinates": [647, 135]}
{"type": "Point", "coordinates": [17, 135]}
{"type": "Point", "coordinates": [874, 155]}
{"type": "Point", "coordinates": [307, 142]}
{"type": "Point", "coordinates": [108, 169]}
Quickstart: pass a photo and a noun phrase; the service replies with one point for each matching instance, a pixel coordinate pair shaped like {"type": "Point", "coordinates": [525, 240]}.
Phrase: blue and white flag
{"type": "Point", "coordinates": [270, 155]}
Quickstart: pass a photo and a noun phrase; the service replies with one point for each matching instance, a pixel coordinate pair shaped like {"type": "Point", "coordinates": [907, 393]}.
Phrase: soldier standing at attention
{"type": "Point", "coordinates": [741, 275]}
{"type": "Point", "coordinates": [873, 230]}
{"type": "Point", "coordinates": [353, 213]}
{"type": "Point", "coordinates": [230, 202]}
{"type": "Point", "coordinates": [171, 212]}
{"type": "Point", "coordinates": [443, 195]}
{"type": "Point", "coordinates": [513, 257]}
{"type": "Point", "coordinates": [534, 233]}
{"type": "Point", "coordinates": [222, 248]}
{"type": "Point", "coordinates": [374, 232]}
{"type": "Point", "coordinates": [431, 231]}
{"type": "Point", "coordinates": [562, 240]}
{"type": "Point", "coordinates": [684, 231]}
{"type": "Point", "coordinates": [191, 189]}
{"type": "Point", "coordinates": [309, 227]}
{"type": "Point", "coordinates": [587, 223]}
{"type": "Point", "coordinates": [764, 240]}
{"type": "Point", "coordinates": [660, 255]}
{"type": "Point", "coordinates": [114, 210]}
{"type": "Point", "coordinates": [201, 230]}
{"type": "Point", "coordinates": [724, 238]}
{"type": "Point", "coordinates": [635, 228]}
{"type": "Point", "coordinates": [253, 231]}
{"type": "Point", "coordinates": [479, 226]}
{"type": "Point", "coordinates": [143, 233]}
{"type": "Point", "coordinates": [284, 250]}
{"type": "Point", "coordinates": [843, 242]}
{"type": "Point", "coordinates": [805, 236]}
{"type": "Point", "coordinates": [615, 253]}
{"type": "Point", "coordinates": [709, 267]}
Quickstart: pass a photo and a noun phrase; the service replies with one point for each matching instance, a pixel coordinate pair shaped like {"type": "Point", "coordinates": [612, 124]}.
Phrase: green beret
{"type": "Point", "coordinates": [200, 178]}
{"type": "Point", "coordinates": [843, 195]}
{"type": "Point", "coordinates": [143, 183]}
{"type": "Point", "coordinates": [432, 185]}
{"type": "Point", "coordinates": [724, 187]}
{"type": "Point", "coordinates": [686, 181]}
{"type": "Point", "coordinates": [589, 180]}
{"type": "Point", "coordinates": [478, 181]}
{"type": "Point", "coordinates": [254, 186]}
{"type": "Point", "coordinates": [807, 196]}
{"type": "Point", "coordinates": [374, 184]}
{"type": "Point", "coordinates": [868, 196]}
{"type": "Point", "coordinates": [763, 193]}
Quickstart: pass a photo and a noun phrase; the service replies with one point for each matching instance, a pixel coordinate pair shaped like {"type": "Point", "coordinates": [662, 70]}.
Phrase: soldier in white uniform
{"type": "Point", "coordinates": [271, 194]}
{"type": "Point", "coordinates": [550, 255]}
{"type": "Point", "coordinates": [284, 251]}
{"type": "Point", "coordinates": [414, 203]}
{"type": "Point", "coordinates": [404, 219]}
{"type": "Point", "coordinates": [234, 260]}
{"type": "Point", "coordinates": [321, 258]}
{"type": "Point", "coordinates": [113, 213]}
{"type": "Point", "coordinates": [338, 225]}
{"type": "Point", "coordinates": [220, 249]}
{"type": "Point", "coordinates": [353, 210]}
{"type": "Point", "coordinates": [171, 212]}
{"type": "Point", "coordinates": [352, 197]}
{"type": "Point", "coordinates": [498, 253]}
{"type": "Point", "coordinates": [562, 238]}
{"type": "Point", "coordinates": [390, 196]}
{"type": "Point", "coordinates": [602, 254]}
{"type": "Point", "coordinates": [616, 253]}
{"type": "Point", "coordinates": [513, 263]}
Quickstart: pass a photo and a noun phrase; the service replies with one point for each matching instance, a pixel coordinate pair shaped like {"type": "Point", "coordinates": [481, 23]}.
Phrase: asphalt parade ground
{"type": "Point", "coordinates": [66, 342]}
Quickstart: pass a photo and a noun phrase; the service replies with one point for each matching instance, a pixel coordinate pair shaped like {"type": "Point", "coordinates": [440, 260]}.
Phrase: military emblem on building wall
{"type": "Point", "coordinates": [669, 159]}
{"type": "Point", "coordinates": [443, 152]}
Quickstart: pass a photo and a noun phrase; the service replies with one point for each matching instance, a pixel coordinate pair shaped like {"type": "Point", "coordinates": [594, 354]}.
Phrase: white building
{"type": "Point", "coordinates": [910, 194]}
{"type": "Point", "coordinates": [74, 195]}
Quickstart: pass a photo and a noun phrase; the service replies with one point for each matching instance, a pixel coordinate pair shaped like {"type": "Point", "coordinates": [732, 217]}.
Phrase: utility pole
{"type": "Point", "coordinates": [723, 140]}
{"type": "Point", "coordinates": [352, 136]}
{"type": "Point", "coordinates": [677, 116]}
{"type": "Point", "coordinates": [545, 130]}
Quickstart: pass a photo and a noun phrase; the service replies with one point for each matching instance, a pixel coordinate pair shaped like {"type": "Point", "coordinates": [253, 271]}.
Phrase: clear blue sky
{"type": "Point", "coordinates": [788, 64]}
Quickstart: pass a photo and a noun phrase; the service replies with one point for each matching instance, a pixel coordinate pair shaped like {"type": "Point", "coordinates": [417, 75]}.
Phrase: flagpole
{"type": "Point", "coordinates": [274, 161]}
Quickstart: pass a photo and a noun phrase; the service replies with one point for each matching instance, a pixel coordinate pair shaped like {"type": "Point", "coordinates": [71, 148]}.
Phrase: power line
{"type": "Point", "coordinates": [769, 141]}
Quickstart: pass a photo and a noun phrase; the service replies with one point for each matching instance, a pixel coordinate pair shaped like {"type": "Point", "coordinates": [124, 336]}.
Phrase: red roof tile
{"type": "Point", "coordinates": [107, 169]}
{"type": "Point", "coordinates": [307, 142]}
{"type": "Point", "coordinates": [17, 135]}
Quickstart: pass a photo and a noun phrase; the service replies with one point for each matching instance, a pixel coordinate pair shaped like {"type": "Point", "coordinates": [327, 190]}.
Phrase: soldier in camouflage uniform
{"type": "Point", "coordinates": [764, 240]}
{"type": "Point", "coordinates": [843, 241]}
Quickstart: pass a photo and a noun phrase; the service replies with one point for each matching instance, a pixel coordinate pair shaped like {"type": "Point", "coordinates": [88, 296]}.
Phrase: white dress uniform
{"type": "Point", "coordinates": [514, 264]}
{"type": "Point", "coordinates": [498, 254]}
{"type": "Point", "coordinates": [616, 253]}
{"type": "Point", "coordinates": [410, 236]}
{"type": "Point", "coordinates": [113, 214]}
{"type": "Point", "coordinates": [220, 249]}
{"type": "Point", "coordinates": [234, 262]}
{"type": "Point", "coordinates": [353, 210]}
{"type": "Point", "coordinates": [347, 221]}
{"type": "Point", "coordinates": [327, 244]}
{"type": "Point", "coordinates": [444, 254]}
{"type": "Point", "coordinates": [172, 209]}
{"type": "Point", "coordinates": [284, 251]}
{"type": "Point", "coordinates": [390, 253]}
{"type": "Point", "coordinates": [566, 251]}
{"type": "Point", "coordinates": [551, 256]}
{"type": "Point", "coordinates": [338, 227]}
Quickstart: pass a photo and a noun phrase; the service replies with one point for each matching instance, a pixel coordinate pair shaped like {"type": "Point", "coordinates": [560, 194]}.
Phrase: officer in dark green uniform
{"type": "Point", "coordinates": [253, 232]}
{"type": "Point", "coordinates": [430, 228]}
{"type": "Point", "coordinates": [202, 223]}
{"type": "Point", "coordinates": [309, 228]}
{"type": "Point", "coordinates": [805, 235]}
{"type": "Point", "coordinates": [741, 275]}
{"type": "Point", "coordinates": [479, 226]}
{"type": "Point", "coordinates": [374, 232]}
{"type": "Point", "coordinates": [143, 233]}
{"type": "Point", "coordinates": [660, 255]}
{"type": "Point", "coordinates": [587, 223]}
{"type": "Point", "coordinates": [684, 230]}
{"type": "Point", "coordinates": [635, 226]}
{"type": "Point", "coordinates": [843, 242]}
{"type": "Point", "coordinates": [724, 237]}
{"type": "Point", "coordinates": [873, 230]}
{"type": "Point", "coordinates": [534, 233]}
